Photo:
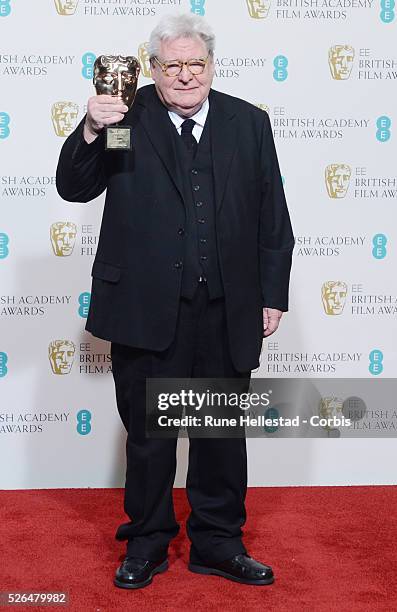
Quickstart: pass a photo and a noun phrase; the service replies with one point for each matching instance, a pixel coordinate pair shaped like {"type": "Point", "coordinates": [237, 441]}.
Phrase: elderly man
{"type": "Point", "coordinates": [192, 270]}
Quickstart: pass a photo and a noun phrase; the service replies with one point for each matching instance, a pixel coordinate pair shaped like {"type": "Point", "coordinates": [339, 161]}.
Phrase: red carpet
{"type": "Point", "coordinates": [331, 549]}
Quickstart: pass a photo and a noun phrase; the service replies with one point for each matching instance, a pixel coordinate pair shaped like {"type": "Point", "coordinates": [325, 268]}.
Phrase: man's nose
{"type": "Point", "coordinates": [185, 75]}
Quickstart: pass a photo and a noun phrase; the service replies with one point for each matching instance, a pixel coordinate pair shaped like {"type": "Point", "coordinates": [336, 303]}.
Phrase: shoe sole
{"type": "Point", "coordinates": [139, 585]}
{"type": "Point", "coordinates": [200, 569]}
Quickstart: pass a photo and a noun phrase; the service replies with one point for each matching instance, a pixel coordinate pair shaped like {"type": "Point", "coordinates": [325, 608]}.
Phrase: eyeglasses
{"type": "Point", "coordinates": [174, 67]}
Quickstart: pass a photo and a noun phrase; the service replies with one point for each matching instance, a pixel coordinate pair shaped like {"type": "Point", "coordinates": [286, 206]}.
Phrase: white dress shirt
{"type": "Point", "coordinates": [199, 118]}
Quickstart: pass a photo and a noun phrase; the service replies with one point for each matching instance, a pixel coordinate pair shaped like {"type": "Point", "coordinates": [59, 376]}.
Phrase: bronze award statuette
{"type": "Point", "coordinates": [117, 75]}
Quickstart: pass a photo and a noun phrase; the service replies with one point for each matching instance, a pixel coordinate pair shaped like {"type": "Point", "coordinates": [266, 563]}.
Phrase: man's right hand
{"type": "Point", "coordinates": [102, 110]}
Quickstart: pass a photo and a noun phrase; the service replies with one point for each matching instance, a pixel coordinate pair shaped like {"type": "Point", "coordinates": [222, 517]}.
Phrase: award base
{"type": "Point", "coordinates": [118, 139]}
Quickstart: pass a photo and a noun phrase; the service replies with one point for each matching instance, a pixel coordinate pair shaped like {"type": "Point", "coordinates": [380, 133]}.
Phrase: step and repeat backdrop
{"type": "Point", "coordinates": [326, 72]}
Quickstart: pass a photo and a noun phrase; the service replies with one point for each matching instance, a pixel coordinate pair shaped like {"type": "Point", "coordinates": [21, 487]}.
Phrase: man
{"type": "Point", "coordinates": [192, 270]}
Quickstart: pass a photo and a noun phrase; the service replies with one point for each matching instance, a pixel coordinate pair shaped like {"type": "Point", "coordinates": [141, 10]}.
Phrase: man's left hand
{"type": "Point", "coordinates": [271, 320]}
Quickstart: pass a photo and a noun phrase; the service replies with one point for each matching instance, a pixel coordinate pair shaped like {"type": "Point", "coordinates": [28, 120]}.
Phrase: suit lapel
{"type": "Point", "coordinates": [158, 127]}
{"type": "Point", "coordinates": [223, 144]}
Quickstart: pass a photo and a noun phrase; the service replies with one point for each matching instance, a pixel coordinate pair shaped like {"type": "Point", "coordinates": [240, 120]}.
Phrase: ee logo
{"type": "Point", "coordinates": [197, 7]}
{"type": "Point", "coordinates": [4, 123]}
{"type": "Point", "coordinates": [271, 413]}
{"type": "Point", "coordinates": [387, 11]}
{"type": "Point", "coordinates": [5, 8]}
{"type": "Point", "coordinates": [375, 362]}
{"type": "Point", "coordinates": [383, 125]}
{"type": "Point", "coordinates": [280, 64]}
{"type": "Point", "coordinates": [88, 60]}
{"type": "Point", "coordinates": [84, 304]}
{"type": "Point", "coordinates": [83, 422]}
{"type": "Point", "coordinates": [3, 364]}
{"type": "Point", "coordinates": [4, 240]}
{"type": "Point", "coordinates": [379, 246]}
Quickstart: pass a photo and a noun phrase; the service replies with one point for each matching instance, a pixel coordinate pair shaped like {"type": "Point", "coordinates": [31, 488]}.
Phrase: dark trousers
{"type": "Point", "coordinates": [217, 474]}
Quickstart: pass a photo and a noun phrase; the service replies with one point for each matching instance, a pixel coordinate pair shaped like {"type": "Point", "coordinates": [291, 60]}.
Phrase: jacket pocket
{"type": "Point", "coordinates": [106, 272]}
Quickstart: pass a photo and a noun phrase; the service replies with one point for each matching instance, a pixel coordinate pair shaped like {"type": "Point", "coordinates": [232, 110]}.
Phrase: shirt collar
{"type": "Point", "coordinates": [199, 117]}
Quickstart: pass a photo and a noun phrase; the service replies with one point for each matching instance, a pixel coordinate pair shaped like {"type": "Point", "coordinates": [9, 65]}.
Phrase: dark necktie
{"type": "Point", "coordinates": [187, 136]}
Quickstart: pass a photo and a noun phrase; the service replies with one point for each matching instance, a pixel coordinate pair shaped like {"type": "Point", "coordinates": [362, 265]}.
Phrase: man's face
{"type": "Point", "coordinates": [63, 237]}
{"type": "Point", "coordinates": [331, 407]}
{"type": "Point", "coordinates": [334, 297]}
{"type": "Point", "coordinates": [341, 61]}
{"type": "Point", "coordinates": [61, 356]}
{"type": "Point", "coordinates": [117, 79]}
{"type": "Point", "coordinates": [64, 117]}
{"type": "Point", "coordinates": [143, 56]}
{"type": "Point", "coordinates": [66, 7]}
{"type": "Point", "coordinates": [258, 9]}
{"type": "Point", "coordinates": [337, 180]}
{"type": "Point", "coordinates": [186, 92]}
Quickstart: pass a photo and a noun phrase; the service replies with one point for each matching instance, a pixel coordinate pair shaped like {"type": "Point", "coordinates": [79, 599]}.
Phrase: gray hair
{"type": "Point", "coordinates": [172, 27]}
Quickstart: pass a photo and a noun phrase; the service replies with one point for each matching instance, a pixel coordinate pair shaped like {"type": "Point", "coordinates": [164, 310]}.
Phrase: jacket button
{"type": "Point", "coordinates": [196, 187]}
{"type": "Point", "coordinates": [194, 171]}
{"type": "Point", "coordinates": [199, 204]}
{"type": "Point", "coordinates": [181, 231]}
{"type": "Point", "coordinates": [203, 257]}
{"type": "Point", "coordinates": [178, 264]}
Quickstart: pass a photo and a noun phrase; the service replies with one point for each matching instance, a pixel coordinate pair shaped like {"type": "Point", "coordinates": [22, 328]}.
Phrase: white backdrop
{"type": "Point", "coordinates": [326, 71]}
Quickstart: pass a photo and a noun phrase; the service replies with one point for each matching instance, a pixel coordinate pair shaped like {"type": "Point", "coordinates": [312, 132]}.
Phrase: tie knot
{"type": "Point", "coordinates": [187, 126]}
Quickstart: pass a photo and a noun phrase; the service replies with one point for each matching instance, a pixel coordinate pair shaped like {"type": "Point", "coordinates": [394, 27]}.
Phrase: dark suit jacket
{"type": "Point", "coordinates": [137, 269]}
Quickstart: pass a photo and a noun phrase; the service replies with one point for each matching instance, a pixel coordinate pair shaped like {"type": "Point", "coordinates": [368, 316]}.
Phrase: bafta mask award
{"type": "Point", "coordinates": [117, 75]}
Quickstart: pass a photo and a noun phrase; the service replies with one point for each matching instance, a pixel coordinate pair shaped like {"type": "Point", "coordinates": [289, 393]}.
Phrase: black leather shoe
{"type": "Point", "coordinates": [135, 573]}
{"type": "Point", "coordinates": [240, 568]}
